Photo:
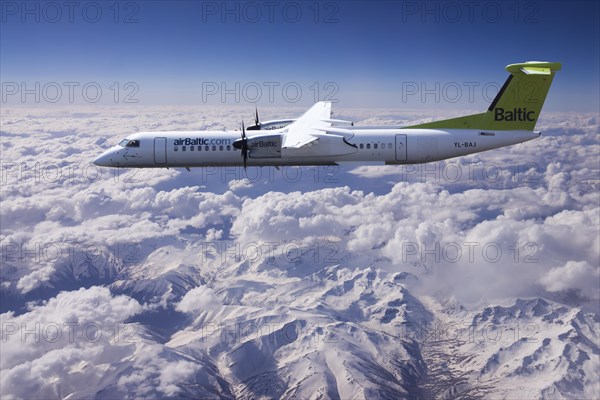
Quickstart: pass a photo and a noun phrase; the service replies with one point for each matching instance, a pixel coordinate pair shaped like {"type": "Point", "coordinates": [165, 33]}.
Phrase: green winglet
{"type": "Point", "coordinates": [517, 105]}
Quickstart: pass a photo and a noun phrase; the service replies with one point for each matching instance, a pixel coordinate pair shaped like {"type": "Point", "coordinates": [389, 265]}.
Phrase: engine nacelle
{"type": "Point", "coordinates": [267, 146]}
{"type": "Point", "coordinates": [270, 125]}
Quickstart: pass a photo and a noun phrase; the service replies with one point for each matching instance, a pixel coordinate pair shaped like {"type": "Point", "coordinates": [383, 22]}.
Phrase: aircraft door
{"type": "Point", "coordinates": [400, 147]}
{"type": "Point", "coordinates": [160, 150]}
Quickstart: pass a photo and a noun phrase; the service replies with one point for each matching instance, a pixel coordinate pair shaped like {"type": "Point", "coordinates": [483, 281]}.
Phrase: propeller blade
{"type": "Point", "coordinates": [244, 145]}
{"type": "Point", "coordinates": [256, 121]}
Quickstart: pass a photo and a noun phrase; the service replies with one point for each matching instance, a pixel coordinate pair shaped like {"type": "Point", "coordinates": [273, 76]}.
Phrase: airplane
{"type": "Point", "coordinates": [317, 139]}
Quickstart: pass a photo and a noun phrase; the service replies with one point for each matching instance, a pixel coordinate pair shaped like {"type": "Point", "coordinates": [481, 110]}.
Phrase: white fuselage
{"type": "Point", "coordinates": [366, 144]}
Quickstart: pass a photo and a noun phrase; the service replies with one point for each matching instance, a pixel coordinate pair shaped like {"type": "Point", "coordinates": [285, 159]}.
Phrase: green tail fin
{"type": "Point", "coordinates": [517, 105]}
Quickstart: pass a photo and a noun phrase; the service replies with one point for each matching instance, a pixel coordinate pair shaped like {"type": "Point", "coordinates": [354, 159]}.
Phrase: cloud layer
{"type": "Point", "coordinates": [168, 254]}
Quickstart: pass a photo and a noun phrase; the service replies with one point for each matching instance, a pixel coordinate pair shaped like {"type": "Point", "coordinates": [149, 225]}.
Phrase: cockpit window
{"type": "Point", "coordinates": [129, 143]}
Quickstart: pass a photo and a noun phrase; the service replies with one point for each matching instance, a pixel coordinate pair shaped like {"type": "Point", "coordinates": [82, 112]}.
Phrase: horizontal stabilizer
{"type": "Point", "coordinates": [338, 131]}
{"type": "Point", "coordinates": [339, 122]}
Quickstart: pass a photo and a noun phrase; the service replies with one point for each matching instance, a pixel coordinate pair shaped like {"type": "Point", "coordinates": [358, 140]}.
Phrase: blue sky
{"type": "Point", "coordinates": [374, 53]}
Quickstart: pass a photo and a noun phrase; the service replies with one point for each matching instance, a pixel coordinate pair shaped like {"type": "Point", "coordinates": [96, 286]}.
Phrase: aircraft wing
{"type": "Point", "coordinates": [309, 126]}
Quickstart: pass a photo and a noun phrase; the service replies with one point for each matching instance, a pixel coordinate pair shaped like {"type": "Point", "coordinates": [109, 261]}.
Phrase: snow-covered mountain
{"type": "Point", "coordinates": [527, 348]}
{"type": "Point", "coordinates": [249, 331]}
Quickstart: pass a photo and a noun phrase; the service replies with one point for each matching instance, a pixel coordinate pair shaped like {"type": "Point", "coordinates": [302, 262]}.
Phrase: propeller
{"type": "Point", "coordinates": [256, 121]}
{"type": "Point", "coordinates": [243, 144]}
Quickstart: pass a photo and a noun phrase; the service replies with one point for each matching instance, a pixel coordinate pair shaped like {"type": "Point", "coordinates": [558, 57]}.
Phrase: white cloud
{"type": "Point", "coordinates": [574, 274]}
{"type": "Point", "coordinates": [64, 343]}
{"type": "Point", "coordinates": [198, 299]}
{"type": "Point", "coordinates": [240, 184]}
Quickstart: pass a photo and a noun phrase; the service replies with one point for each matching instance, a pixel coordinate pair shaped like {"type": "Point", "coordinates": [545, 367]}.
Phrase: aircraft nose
{"type": "Point", "coordinates": [105, 159]}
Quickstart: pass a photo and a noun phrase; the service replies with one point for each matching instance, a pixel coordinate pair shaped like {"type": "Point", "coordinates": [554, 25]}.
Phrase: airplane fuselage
{"type": "Point", "coordinates": [363, 144]}
{"type": "Point", "coordinates": [316, 139]}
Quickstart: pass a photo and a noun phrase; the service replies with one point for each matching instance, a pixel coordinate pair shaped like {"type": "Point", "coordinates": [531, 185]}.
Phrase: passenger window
{"type": "Point", "coordinates": [199, 148]}
{"type": "Point", "coordinates": [191, 148]}
{"type": "Point", "coordinates": [375, 145]}
{"type": "Point", "coordinates": [176, 148]}
{"type": "Point", "coordinates": [362, 146]}
{"type": "Point", "coordinates": [205, 148]}
{"type": "Point", "coordinates": [214, 148]}
{"type": "Point", "coordinates": [228, 147]}
{"type": "Point", "coordinates": [182, 148]}
{"type": "Point", "coordinates": [220, 148]}
{"type": "Point", "coordinates": [368, 145]}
